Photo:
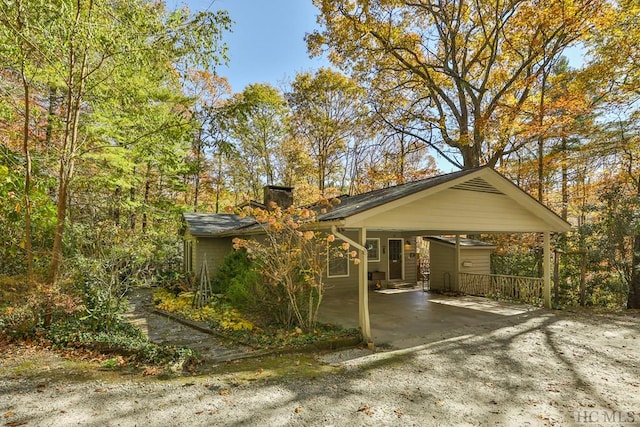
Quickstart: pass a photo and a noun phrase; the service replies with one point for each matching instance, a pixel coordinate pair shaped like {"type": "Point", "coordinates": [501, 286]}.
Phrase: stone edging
{"type": "Point", "coordinates": [333, 344]}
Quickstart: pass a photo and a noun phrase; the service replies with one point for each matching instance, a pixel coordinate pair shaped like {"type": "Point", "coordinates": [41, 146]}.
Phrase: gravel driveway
{"type": "Point", "coordinates": [542, 368]}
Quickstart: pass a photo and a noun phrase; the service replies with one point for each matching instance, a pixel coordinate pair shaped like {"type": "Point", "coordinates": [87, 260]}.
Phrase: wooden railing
{"type": "Point", "coordinates": [516, 288]}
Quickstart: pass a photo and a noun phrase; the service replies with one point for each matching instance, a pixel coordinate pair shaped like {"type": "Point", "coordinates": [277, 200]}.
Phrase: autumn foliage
{"type": "Point", "coordinates": [290, 251]}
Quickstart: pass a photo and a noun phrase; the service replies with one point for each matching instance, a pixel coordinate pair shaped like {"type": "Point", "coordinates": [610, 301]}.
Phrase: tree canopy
{"type": "Point", "coordinates": [114, 119]}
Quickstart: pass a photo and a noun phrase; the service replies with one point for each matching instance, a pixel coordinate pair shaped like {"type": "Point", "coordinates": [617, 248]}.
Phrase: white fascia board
{"type": "Point", "coordinates": [501, 183]}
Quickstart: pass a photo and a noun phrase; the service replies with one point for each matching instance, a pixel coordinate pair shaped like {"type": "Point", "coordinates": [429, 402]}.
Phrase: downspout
{"type": "Point", "coordinates": [363, 295]}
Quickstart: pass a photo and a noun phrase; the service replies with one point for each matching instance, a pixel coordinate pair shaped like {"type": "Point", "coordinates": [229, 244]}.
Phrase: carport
{"type": "Point", "coordinates": [414, 317]}
{"type": "Point", "coordinates": [477, 201]}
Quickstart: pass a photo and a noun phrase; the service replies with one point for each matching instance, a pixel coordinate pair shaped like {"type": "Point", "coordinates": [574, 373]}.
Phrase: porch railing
{"type": "Point", "coordinates": [517, 288]}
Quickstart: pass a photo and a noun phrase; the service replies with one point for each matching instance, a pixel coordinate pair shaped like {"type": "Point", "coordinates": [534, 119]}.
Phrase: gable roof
{"type": "Point", "coordinates": [406, 206]}
{"type": "Point", "coordinates": [351, 205]}
{"type": "Point", "coordinates": [208, 224]}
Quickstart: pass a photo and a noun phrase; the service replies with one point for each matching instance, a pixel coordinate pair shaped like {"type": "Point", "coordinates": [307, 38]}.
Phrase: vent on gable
{"type": "Point", "coordinates": [477, 184]}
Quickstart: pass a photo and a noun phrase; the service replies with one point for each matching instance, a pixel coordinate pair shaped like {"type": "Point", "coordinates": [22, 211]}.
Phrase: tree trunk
{"type": "Point", "coordinates": [116, 208]}
{"type": "Point", "coordinates": [51, 114]}
{"type": "Point", "coordinates": [470, 156]}
{"type": "Point", "coordinates": [633, 300]}
{"type": "Point", "coordinates": [61, 211]}
{"type": "Point", "coordinates": [196, 190]}
{"type": "Point", "coordinates": [145, 204]}
{"type": "Point", "coordinates": [76, 80]}
{"type": "Point", "coordinates": [541, 138]}
{"type": "Point", "coordinates": [565, 182]}
{"type": "Point", "coordinates": [218, 183]}
{"type": "Point", "coordinates": [132, 213]}
{"type": "Point", "coordinates": [27, 175]}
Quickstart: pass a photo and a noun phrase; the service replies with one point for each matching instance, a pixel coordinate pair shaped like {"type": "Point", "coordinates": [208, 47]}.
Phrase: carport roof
{"type": "Point", "coordinates": [352, 205]}
{"type": "Point", "coordinates": [352, 210]}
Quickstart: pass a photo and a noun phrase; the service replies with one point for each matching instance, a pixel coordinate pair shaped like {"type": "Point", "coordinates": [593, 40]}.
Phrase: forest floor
{"type": "Point", "coordinates": [544, 368]}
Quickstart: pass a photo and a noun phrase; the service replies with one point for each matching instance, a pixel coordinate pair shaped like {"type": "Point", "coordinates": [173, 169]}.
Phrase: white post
{"type": "Point", "coordinates": [363, 289]}
{"type": "Point", "coordinates": [456, 268]}
{"type": "Point", "coordinates": [546, 269]}
{"type": "Point", "coordinates": [365, 323]}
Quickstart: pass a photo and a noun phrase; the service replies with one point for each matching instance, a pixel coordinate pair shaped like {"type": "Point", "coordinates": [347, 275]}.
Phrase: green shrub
{"type": "Point", "coordinates": [234, 264]}
{"type": "Point", "coordinates": [122, 338]}
{"type": "Point", "coordinates": [238, 280]}
{"type": "Point", "coordinates": [243, 291]}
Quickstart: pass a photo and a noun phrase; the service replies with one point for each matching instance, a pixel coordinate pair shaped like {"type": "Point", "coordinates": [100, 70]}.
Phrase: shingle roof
{"type": "Point", "coordinates": [352, 205]}
{"type": "Point", "coordinates": [207, 224]}
{"type": "Point", "coordinates": [463, 241]}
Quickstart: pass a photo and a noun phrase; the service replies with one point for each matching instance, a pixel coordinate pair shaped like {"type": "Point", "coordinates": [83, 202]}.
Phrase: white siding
{"type": "Point", "coordinates": [456, 210]}
{"type": "Point", "coordinates": [214, 249]}
{"type": "Point", "coordinates": [480, 259]}
{"type": "Point", "coordinates": [442, 264]}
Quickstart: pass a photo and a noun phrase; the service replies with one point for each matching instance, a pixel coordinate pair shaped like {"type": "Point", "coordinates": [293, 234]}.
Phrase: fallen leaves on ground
{"type": "Point", "coordinates": [366, 409]}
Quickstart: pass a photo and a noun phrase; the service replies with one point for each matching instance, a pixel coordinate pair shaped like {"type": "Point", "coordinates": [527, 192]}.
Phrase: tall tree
{"type": "Point", "coordinates": [22, 54]}
{"type": "Point", "coordinates": [209, 92]}
{"type": "Point", "coordinates": [256, 120]}
{"type": "Point", "coordinates": [615, 68]}
{"type": "Point", "coordinates": [328, 111]}
{"type": "Point", "coordinates": [82, 46]}
{"type": "Point", "coordinates": [467, 68]}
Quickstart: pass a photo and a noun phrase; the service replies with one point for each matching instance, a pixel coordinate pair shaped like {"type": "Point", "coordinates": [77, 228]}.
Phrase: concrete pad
{"type": "Point", "coordinates": [406, 319]}
{"type": "Point", "coordinates": [483, 304]}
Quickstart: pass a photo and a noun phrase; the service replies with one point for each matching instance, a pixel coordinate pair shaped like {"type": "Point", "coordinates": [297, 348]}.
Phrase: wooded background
{"type": "Point", "coordinates": [113, 121]}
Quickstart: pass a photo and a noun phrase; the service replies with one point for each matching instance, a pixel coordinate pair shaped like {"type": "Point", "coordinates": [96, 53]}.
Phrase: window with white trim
{"type": "Point", "coordinates": [373, 250]}
{"type": "Point", "coordinates": [337, 260]}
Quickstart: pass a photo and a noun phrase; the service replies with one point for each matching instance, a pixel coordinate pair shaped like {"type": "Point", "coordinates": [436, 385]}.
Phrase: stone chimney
{"type": "Point", "coordinates": [283, 196]}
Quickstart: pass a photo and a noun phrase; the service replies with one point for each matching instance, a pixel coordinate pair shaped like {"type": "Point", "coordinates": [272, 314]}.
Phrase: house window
{"type": "Point", "coordinates": [373, 250]}
{"type": "Point", "coordinates": [337, 261]}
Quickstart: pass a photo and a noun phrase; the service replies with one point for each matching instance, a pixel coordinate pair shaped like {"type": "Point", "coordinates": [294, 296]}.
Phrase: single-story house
{"type": "Point", "coordinates": [382, 225]}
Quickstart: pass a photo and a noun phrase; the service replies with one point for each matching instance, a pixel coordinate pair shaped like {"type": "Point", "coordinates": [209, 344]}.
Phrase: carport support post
{"type": "Point", "coordinates": [363, 281]}
{"type": "Point", "coordinates": [456, 267]}
{"type": "Point", "coordinates": [363, 293]}
{"type": "Point", "coordinates": [546, 270]}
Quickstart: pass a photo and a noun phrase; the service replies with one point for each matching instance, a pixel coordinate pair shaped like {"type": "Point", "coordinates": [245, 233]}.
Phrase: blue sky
{"type": "Point", "coordinates": [267, 43]}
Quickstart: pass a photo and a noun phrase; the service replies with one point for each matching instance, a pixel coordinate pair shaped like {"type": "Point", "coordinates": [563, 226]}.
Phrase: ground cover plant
{"type": "Point", "coordinates": [76, 319]}
{"type": "Point", "coordinates": [248, 327]}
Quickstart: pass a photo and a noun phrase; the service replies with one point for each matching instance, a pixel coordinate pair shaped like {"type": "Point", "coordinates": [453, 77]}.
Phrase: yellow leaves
{"type": "Point", "coordinates": [217, 312]}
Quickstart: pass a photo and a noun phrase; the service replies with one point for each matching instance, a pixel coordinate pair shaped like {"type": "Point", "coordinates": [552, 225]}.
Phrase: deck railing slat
{"type": "Point", "coordinates": [500, 286]}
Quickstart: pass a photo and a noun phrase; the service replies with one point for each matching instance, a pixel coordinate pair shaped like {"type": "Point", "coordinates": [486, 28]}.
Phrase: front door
{"type": "Point", "coordinates": [395, 259]}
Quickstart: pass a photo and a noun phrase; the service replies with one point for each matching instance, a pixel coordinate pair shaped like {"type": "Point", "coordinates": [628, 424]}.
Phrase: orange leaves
{"type": "Point", "coordinates": [291, 255]}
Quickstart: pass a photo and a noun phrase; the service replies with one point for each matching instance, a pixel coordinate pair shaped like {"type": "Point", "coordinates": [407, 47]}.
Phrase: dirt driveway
{"type": "Point", "coordinates": [548, 368]}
